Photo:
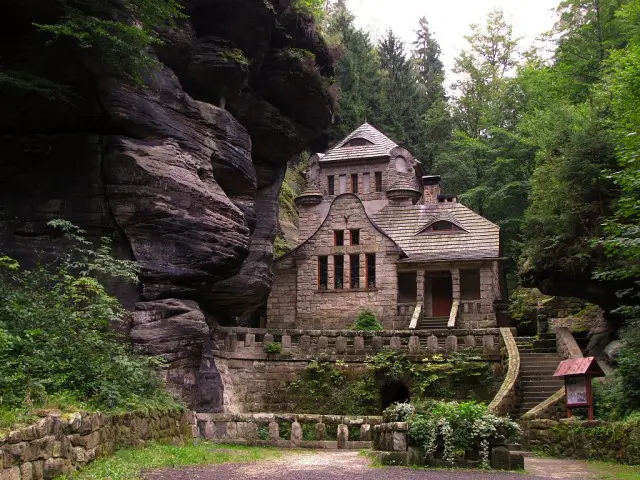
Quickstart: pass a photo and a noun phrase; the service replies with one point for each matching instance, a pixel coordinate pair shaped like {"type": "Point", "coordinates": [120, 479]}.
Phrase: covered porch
{"type": "Point", "coordinates": [448, 295]}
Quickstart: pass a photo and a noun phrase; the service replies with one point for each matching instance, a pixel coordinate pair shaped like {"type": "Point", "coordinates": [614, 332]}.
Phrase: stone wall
{"type": "Point", "coordinates": [337, 308]}
{"type": "Point", "coordinates": [58, 444]}
{"type": "Point", "coordinates": [507, 397]}
{"type": "Point", "coordinates": [265, 429]}
{"type": "Point", "coordinates": [251, 377]}
{"type": "Point", "coordinates": [611, 441]}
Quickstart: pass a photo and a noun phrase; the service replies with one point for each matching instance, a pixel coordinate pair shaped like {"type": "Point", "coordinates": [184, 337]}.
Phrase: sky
{"type": "Point", "coordinates": [450, 19]}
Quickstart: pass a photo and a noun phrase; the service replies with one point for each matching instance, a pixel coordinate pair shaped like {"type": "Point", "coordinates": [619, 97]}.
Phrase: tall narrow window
{"type": "Point", "coordinates": [354, 183]}
{"type": "Point", "coordinates": [338, 272]}
{"type": "Point", "coordinates": [338, 238]}
{"type": "Point", "coordinates": [331, 185]}
{"type": "Point", "coordinates": [323, 273]}
{"type": "Point", "coordinates": [355, 236]}
{"type": "Point", "coordinates": [343, 183]}
{"type": "Point", "coordinates": [371, 270]}
{"type": "Point", "coordinates": [470, 284]}
{"type": "Point", "coordinates": [366, 188]}
{"type": "Point", "coordinates": [378, 181]}
{"type": "Point", "coordinates": [354, 267]}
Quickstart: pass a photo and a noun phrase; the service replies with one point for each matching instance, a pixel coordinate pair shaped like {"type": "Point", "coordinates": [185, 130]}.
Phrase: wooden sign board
{"type": "Point", "coordinates": [577, 394]}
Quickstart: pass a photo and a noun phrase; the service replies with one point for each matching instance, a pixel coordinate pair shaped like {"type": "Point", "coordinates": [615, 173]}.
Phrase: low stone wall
{"type": "Point", "coordinates": [391, 447]}
{"type": "Point", "coordinates": [58, 444]}
{"type": "Point", "coordinates": [351, 345]}
{"type": "Point", "coordinates": [611, 441]}
{"type": "Point", "coordinates": [265, 429]}
{"type": "Point", "coordinates": [507, 397]}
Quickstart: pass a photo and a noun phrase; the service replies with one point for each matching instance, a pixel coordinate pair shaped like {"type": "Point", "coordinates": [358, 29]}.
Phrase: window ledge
{"type": "Point", "coordinates": [346, 290]}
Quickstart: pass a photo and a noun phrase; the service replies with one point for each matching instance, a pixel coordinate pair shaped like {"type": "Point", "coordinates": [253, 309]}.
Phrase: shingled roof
{"type": "Point", "coordinates": [381, 146]}
{"type": "Point", "coordinates": [405, 225]}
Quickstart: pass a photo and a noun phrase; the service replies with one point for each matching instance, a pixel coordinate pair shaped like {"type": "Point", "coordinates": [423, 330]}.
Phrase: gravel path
{"type": "Point", "coordinates": [330, 465]}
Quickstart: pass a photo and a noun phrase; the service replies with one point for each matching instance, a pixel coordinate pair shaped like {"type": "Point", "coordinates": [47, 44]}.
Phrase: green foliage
{"type": "Point", "coordinates": [367, 321]}
{"type": "Point", "coordinates": [273, 348]}
{"type": "Point", "coordinates": [56, 332]}
{"type": "Point", "coordinates": [129, 463]}
{"type": "Point", "coordinates": [398, 412]}
{"type": "Point", "coordinates": [121, 39]}
{"type": "Point", "coordinates": [315, 8]}
{"type": "Point", "coordinates": [448, 430]}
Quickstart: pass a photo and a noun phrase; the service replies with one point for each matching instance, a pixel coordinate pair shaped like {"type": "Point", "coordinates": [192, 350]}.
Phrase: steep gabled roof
{"type": "Point", "coordinates": [405, 224]}
{"type": "Point", "coordinates": [380, 146]}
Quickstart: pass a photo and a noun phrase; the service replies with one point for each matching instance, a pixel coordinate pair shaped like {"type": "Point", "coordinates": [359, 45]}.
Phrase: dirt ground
{"type": "Point", "coordinates": [335, 465]}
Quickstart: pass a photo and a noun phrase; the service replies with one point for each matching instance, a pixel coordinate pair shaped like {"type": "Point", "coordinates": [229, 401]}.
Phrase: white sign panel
{"type": "Point", "coordinates": [576, 390]}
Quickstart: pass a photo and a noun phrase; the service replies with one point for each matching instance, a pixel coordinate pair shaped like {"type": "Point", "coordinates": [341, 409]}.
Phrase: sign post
{"type": "Point", "coordinates": [577, 374]}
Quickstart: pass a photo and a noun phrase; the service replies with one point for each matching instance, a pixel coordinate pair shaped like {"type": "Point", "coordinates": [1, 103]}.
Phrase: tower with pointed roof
{"type": "Point", "coordinates": [377, 233]}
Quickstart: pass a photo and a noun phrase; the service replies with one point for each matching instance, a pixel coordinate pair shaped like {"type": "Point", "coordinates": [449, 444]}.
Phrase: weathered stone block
{"type": "Point", "coordinates": [10, 473]}
{"type": "Point", "coordinates": [268, 338]}
{"type": "Point", "coordinates": [286, 341]}
{"type": "Point", "coordinates": [305, 344]}
{"type": "Point", "coordinates": [38, 469]}
{"type": "Point", "coordinates": [392, 458]}
{"type": "Point", "coordinates": [296, 435]}
{"type": "Point", "coordinates": [469, 341]}
{"type": "Point", "coordinates": [516, 461]}
{"type": "Point", "coordinates": [358, 345]}
{"type": "Point", "coordinates": [249, 339]}
{"type": "Point", "coordinates": [365, 432]}
{"type": "Point", "coordinates": [451, 343]}
{"type": "Point", "coordinates": [323, 342]}
{"type": "Point", "coordinates": [341, 345]}
{"type": "Point", "coordinates": [500, 458]}
{"type": "Point", "coordinates": [395, 342]}
{"type": "Point", "coordinates": [343, 435]}
{"type": "Point", "coordinates": [488, 343]}
{"type": "Point", "coordinates": [54, 467]}
{"type": "Point", "coordinates": [321, 431]}
{"type": "Point", "coordinates": [414, 344]}
{"type": "Point", "coordinates": [432, 344]}
{"type": "Point", "coordinates": [376, 343]}
{"type": "Point", "coordinates": [248, 431]}
{"type": "Point", "coordinates": [274, 431]}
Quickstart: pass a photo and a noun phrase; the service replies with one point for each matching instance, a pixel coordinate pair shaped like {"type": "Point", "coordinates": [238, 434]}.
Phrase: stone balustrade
{"type": "Point", "coordinates": [303, 430]}
{"type": "Point", "coordinates": [249, 343]}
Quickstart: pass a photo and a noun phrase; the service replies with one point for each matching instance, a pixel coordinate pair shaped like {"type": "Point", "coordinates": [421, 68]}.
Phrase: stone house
{"type": "Point", "coordinates": [379, 234]}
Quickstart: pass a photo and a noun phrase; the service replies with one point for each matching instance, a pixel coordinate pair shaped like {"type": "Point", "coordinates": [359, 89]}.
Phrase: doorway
{"type": "Point", "coordinates": [441, 295]}
{"type": "Point", "coordinates": [394, 392]}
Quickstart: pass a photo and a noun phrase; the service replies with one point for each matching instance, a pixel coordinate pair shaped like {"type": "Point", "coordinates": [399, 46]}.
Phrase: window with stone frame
{"type": "Point", "coordinates": [470, 284]}
{"type": "Point", "coordinates": [323, 272]}
{"type": "Point", "coordinates": [331, 185]}
{"type": "Point", "coordinates": [338, 272]}
{"type": "Point", "coordinates": [338, 238]}
{"type": "Point", "coordinates": [366, 187]}
{"type": "Point", "coordinates": [342, 180]}
{"type": "Point", "coordinates": [354, 183]}
{"type": "Point", "coordinates": [354, 235]}
{"type": "Point", "coordinates": [378, 176]}
{"type": "Point", "coordinates": [354, 267]}
{"type": "Point", "coordinates": [371, 270]}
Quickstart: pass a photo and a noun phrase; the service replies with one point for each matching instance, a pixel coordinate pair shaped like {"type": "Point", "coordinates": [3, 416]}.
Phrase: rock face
{"type": "Point", "coordinates": [183, 173]}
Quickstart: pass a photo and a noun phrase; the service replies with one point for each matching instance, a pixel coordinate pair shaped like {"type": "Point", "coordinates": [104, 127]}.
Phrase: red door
{"type": "Point", "coordinates": [441, 296]}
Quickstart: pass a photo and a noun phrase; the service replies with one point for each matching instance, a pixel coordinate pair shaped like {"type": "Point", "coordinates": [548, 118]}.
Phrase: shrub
{"type": "Point", "coordinates": [367, 321]}
{"type": "Point", "coordinates": [56, 332]}
{"type": "Point", "coordinates": [449, 429]}
{"type": "Point", "coordinates": [273, 348]}
{"type": "Point", "coordinates": [398, 412]}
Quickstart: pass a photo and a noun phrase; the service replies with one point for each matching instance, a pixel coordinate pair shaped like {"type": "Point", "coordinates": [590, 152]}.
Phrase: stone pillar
{"type": "Point", "coordinates": [365, 432]}
{"type": "Point", "coordinates": [455, 283]}
{"type": "Point", "coordinates": [305, 344]}
{"type": "Point", "coordinates": [470, 341]}
{"type": "Point", "coordinates": [432, 344]}
{"type": "Point", "coordinates": [343, 435]}
{"type": "Point", "coordinates": [296, 435]}
{"type": "Point", "coordinates": [395, 342]}
{"type": "Point", "coordinates": [414, 344]}
{"type": "Point", "coordinates": [358, 345]}
{"type": "Point", "coordinates": [451, 343]}
{"type": "Point", "coordinates": [341, 345]}
{"type": "Point", "coordinates": [268, 338]}
{"type": "Point", "coordinates": [286, 341]}
{"type": "Point", "coordinates": [420, 287]}
{"type": "Point", "coordinates": [274, 431]}
{"type": "Point", "coordinates": [232, 342]}
{"type": "Point", "coordinates": [488, 345]}
{"type": "Point", "coordinates": [249, 339]}
{"type": "Point", "coordinates": [376, 343]}
{"type": "Point", "coordinates": [321, 431]}
{"type": "Point", "coordinates": [323, 342]}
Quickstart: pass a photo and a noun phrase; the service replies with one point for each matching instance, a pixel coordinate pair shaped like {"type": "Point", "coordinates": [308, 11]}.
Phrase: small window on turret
{"type": "Point", "coordinates": [378, 176]}
{"type": "Point", "coordinates": [331, 185]}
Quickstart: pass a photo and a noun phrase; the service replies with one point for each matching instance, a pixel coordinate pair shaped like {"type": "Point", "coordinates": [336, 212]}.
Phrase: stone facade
{"type": "Point", "coordinates": [335, 308]}
{"type": "Point", "coordinates": [59, 444]}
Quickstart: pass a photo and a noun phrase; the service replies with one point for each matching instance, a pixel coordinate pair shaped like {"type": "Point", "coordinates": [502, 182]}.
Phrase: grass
{"type": "Point", "coordinates": [128, 463]}
{"type": "Point", "coordinates": [611, 470]}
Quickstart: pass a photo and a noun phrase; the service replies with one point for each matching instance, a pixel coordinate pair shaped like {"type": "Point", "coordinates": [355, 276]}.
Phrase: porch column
{"type": "Point", "coordinates": [420, 287]}
{"type": "Point", "coordinates": [455, 283]}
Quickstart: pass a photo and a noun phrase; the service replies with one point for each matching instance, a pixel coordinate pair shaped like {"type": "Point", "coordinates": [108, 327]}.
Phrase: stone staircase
{"type": "Point", "coordinates": [538, 362]}
{"type": "Point", "coordinates": [432, 323]}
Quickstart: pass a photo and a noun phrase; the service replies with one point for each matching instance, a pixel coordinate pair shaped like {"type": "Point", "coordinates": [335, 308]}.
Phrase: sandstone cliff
{"type": "Point", "coordinates": [183, 173]}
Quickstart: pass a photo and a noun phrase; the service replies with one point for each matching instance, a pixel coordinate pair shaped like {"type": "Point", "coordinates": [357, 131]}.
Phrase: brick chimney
{"type": "Point", "coordinates": [431, 185]}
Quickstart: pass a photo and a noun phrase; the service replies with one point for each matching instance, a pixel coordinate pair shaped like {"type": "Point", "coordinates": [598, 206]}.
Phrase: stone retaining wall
{"type": "Point", "coordinates": [60, 443]}
{"type": "Point", "coordinates": [266, 429]}
{"type": "Point", "coordinates": [507, 397]}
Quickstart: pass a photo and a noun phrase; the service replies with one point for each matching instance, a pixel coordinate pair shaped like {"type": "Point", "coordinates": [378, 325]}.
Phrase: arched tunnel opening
{"type": "Point", "coordinates": [394, 392]}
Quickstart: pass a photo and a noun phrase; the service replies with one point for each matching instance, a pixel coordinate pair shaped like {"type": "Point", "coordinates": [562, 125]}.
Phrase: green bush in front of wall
{"type": "Point", "coordinates": [367, 321]}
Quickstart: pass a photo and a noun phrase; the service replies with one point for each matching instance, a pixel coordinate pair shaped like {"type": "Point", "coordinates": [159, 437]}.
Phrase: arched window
{"type": "Point", "coordinates": [401, 164]}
